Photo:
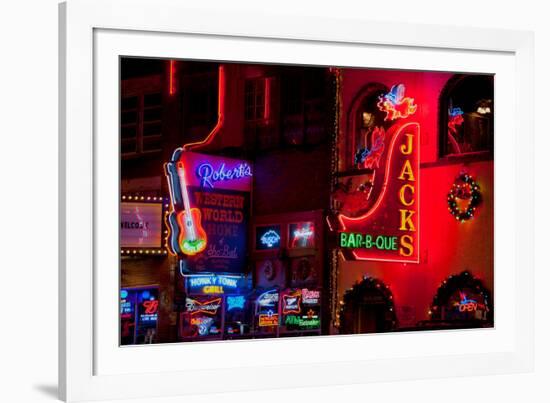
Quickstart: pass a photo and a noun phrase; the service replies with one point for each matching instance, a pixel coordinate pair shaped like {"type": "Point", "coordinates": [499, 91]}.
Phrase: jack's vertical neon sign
{"type": "Point", "coordinates": [388, 231]}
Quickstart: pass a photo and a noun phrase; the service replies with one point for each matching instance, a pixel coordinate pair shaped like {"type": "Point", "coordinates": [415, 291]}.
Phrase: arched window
{"type": "Point", "coordinates": [462, 301]}
{"type": "Point", "coordinates": [466, 111]}
{"type": "Point", "coordinates": [363, 117]}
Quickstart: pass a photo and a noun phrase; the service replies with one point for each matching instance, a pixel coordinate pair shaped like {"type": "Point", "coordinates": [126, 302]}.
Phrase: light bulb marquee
{"type": "Point", "coordinates": [142, 230]}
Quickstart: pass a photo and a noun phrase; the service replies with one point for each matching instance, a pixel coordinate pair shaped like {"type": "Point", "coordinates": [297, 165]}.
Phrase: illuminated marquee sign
{"type": "Point", "coordinates": [388, 231]}
{"type": "Point", "coordinates": [140, 225]}
{"type": "Point", "coordinates": [213, 284]}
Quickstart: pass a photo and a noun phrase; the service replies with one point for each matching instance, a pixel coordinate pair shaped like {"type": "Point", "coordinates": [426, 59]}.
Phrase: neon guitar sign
{"type": "Point", "coordinates": [192, 236]}
{"type": "Point", "coordinates": [202, 176]}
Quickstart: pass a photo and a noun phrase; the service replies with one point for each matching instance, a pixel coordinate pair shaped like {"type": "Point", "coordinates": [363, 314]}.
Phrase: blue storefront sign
{"type": "Point", "coordinates": [219, 284]}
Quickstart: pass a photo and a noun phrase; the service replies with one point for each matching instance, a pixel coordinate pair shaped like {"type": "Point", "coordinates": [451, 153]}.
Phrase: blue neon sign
{"type": "Point", "coordinates": [268, 237]}
{"type": "Point", "coordinates": [208, 175]}
{"type": "Point", "coordinates": [214, 284]}
{"type": "Point", "coordinates": [235, 302]}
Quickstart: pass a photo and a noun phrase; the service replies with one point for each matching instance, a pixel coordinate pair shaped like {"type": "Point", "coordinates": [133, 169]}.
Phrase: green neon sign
{"type": "Point", "coordinates": [367, 241]}
{"type": "Point", "coordinates": [294, 320]}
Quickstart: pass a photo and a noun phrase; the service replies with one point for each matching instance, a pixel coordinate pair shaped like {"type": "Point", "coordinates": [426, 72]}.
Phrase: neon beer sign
{"type": "Point", "coordinates": [388, 231]}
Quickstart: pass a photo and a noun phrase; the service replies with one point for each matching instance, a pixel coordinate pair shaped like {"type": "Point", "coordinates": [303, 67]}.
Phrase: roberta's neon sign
{"type": "Point", "coordinates": [388, 231]}
{"type": "Point", "coordinates": [208, 175]}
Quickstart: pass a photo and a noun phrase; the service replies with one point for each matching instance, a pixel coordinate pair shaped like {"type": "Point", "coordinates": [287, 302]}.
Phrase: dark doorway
{"type": "Point", "coordinates": [367, 308]}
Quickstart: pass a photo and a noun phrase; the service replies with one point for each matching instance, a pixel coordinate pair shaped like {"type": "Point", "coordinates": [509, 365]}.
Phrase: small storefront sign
{"type": "Point", "coordinates": [140, 225]}
{"type": "Point", "coordinates": [214, 284]}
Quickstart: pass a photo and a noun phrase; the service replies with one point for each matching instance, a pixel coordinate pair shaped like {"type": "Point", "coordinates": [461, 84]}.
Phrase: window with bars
{"type": "Point", "coordinates": [141, 124]}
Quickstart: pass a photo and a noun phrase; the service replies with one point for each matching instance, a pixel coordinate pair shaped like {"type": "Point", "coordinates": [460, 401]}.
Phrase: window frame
{"type": "Point", "coordinates": [443, 157]}
{"type": "Point", "coordinates": [141, 87]}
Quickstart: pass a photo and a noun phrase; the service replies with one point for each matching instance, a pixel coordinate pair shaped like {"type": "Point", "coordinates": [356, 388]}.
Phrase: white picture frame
{"type": "Point", "coordinates": [94, 33]}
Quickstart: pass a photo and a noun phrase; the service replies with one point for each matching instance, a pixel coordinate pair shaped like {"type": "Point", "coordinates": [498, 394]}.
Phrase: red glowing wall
{"type": "Point", "coordinates": [447, 246]}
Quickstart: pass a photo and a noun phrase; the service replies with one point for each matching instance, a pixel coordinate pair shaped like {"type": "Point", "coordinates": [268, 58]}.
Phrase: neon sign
{"type": "Point", "coordinates": [302, 235]}
{"type": "Point", "coordinates": [269, 319]}
{"type": "Point", "coordinates": [209, 307]}
{"type": "Point", "coordinates": [304, 323]}
{"type": "Point", "coordinates": [388, 230]}
{"type": "Point", "coordinates": [370, 158]}
{"type": "Point", "coordinates": [268, 299]}
{"type": "Point", "coordinates": [151, 306]}
{"type": "Point", "coordinates": [235, 302]}
{"type": "Point", "coordinates": [208, 175]}
{"type": "Point", "coordinates": [126, 305]}
{"type": "Point", "coordinates": [268, 237]}
{"type": "Point", "coordinates": [213, 284]}
{"type": "Point", "coordinates": [310, 297]}
{"type": "Point", "coordinates": [148, 312]}
{"type": "Point", "coordinates": [205, 325]}
{"type": "Point", "coordinates": [468, 304]}
{"type": "Point", "coordinates": [291, 303]}
{"type": "Point", "coordinates": [395, 104]}
{"type": "Point", "coordinates": [207, 217]}
{"type": "Point", "coordinates": [187, 234]}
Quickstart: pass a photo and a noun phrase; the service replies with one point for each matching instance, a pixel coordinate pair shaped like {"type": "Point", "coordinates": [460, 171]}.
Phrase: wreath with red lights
{"type": "Point", "coordinates": [464, 197]}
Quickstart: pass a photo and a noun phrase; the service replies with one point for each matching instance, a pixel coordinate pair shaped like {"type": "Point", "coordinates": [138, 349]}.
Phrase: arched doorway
{"type": "Point", "coordinates": [367, 308]}
{"type": "Point", "coordinates": [462, 301]}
